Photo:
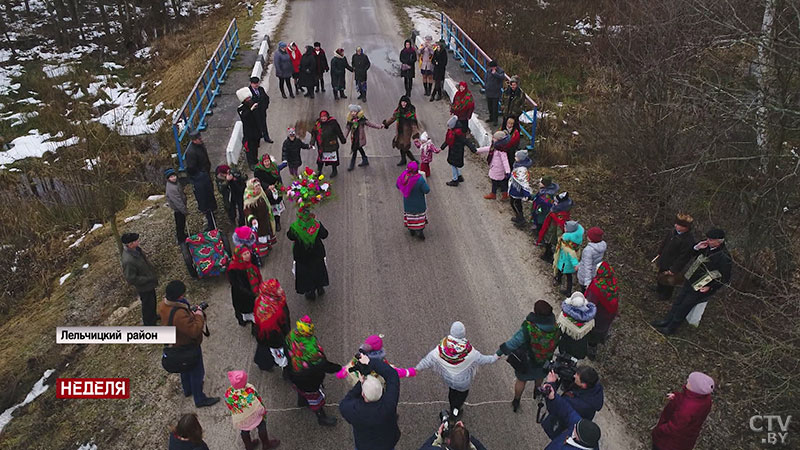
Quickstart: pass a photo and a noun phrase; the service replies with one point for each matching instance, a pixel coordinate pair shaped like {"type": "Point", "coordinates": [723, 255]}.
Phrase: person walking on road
{"type": "Point", "coordinates": [553, 225]}
{"type": "Point", "coordinates": [327, 134]}
{"type": "Point", "coordinates": [373, 348]}
{"type": "Point", "coordinates": [190, 327]}
{"type": "Point", "coordinates": [198, 167]}
{"type": "Point", "coordinates": [338, 67]}
{"type": "Point", "coordinates": [231, 185]}
{"type": "Point", "coordinates": [455, 141]}
{"type": "Point", "coordinates": [291, 151]}
{"type": "Point", "coordinates": [310, 268]}
{"type": "Point", "coordinates": [284, 69]}
{"type": "Point", "coordinates": [494, 87]}
{"type": "Point", "coordinates": [426, 64]}
{"type": "Point", "coordinates": [260, 97]}
{"type": "Point", "coordinates": [463, 106]}
{"type": "Point", "coordinates": [296, 55]}
{"type": "Point", "coordinates": [414, 189]}
{"type": "Point", "coordinates": [361, 65]}
{"type": "Point", "coordinates": [307, 368]}
{"type": "Point", "coordinates": [248, 411]}
{"type": "Point", "coordinates": [140, 274]}
{"type": "Point", "coordinates": [187, 434]}
{"type": "Point", "coordinates": [308, 72]}
{"type": "Point", "coordinates": [357, 123]}
{"type": "Point", "coordinates": [408, 57]}
{"type": "Point", "coordinates": [519, 186]}
{"type": "Point", "coordinates": [499, 170]}
{"type": "Point", "coordinates": [245, 279]}
{"type": "Point", "coordinates": [426, 151]}
{"type": "Point", "coordinates": [406, 117]}
{"type": "Point", "coordinates": [371, 410]}
{"type": "Point", "coordinates": [456, 362]}
{"type": "Point", "coordinates": [176, 199]}
{"type": "Point", "coordinates": [321, 63]}
{"type": "Point", "coordinates": [439, 62]}
{"type": "Point", "coordinates": [531, 347]}
{"type": "Point", "coordinates": [269, 174]}
{"type": "Point", "coordinates": [251, 131]}
{"type": "Point", "coordinates": [673, 255]}
{"type": "Point", "coordinates": [272, 325]}
{"type": "Point", "coordinates": [682, 418]}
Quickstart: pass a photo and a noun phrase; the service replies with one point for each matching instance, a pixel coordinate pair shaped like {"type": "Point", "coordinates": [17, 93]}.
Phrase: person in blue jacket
{"type": "Point", "coordinates": [579, 433]}
{"type": "Point", "coordinates": [585, 396]}
{"type": "Point", "coordinates": [372, 411]}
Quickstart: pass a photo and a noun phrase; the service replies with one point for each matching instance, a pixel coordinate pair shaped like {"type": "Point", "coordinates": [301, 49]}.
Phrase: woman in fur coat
{"type": "Point", "coordinates": [357, 123]}
{"type": "Point", "coordinates": [258, 213]}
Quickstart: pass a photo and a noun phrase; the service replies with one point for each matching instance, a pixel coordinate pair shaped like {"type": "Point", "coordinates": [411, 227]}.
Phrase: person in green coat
{"type": "Point", "coordinates": [414, 188]}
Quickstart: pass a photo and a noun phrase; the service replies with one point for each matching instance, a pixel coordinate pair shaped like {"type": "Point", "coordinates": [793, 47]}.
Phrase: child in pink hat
{"type": "Point", "coordinates": [248, 411]}
{"type": "Point", "coordinates": [373, 347]}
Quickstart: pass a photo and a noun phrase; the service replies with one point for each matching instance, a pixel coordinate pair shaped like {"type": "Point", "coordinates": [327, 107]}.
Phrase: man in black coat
{"type": "Point", "coordinates": [308, 71]}
{"type": "Point", "coordinates": [710, 271]}
{"type": "Point", "coordinates": [322, 66]}
{"type": "Point", "coordinates": [140, 274]}
{"type": "Point", "coordinates": [338, 66]}
{"type": "Point", "coordinates": [361, 64]}
{"type": "Point", "coordinates": [251, 130]}
{"type": "Point", "coordinates": [673, 254]}
{"type": "Point", "coordinates": [231, 184]}
{"type": "Point", "coordinates": [198, 167]}
{"type": "Point", "coordinates": [494, 87]}
{"type": "Point", "coordinates": [372, 412]}
{"type": "Point", "coordinates": [259, 96]}
{"type": "Point", "coordinates": [439, 68]}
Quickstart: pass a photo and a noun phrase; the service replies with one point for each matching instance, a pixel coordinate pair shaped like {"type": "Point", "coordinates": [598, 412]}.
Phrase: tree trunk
{"type": "Point", "coordinates": [104, 18]}
{"type": "Point", "coordinates": [112, 222]}
{"type": "Point", "coordinates": [765, 76]}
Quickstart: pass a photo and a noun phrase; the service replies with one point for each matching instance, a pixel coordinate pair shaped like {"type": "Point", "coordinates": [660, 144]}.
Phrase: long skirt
{"type": "Point", "coordinates": [310, 275]}
{"type": "Point", "coordinates": [316, 399]}
{"type": "Point", "coordinates": [415, 222]}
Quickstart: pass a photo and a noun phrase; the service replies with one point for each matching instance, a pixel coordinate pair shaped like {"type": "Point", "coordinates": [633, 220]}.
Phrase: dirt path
{"type": "Point", "coordinates": [474, 266]}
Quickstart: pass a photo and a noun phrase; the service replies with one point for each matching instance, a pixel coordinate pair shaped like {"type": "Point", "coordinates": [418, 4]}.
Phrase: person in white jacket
{"type": "Point", "coordinates": [456, 362]}
{"type": "Point", "coordinates": [591, 257]}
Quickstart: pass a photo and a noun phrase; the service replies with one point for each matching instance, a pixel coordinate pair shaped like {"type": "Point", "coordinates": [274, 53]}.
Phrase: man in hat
{"type": "Point", "coordinates": [494, 87]}
{"type": "Point", "coordinates": [673, 254]}
{"type": "Point", "coordinates": [138, 271]}
{"type": "Point", "coordinates": [198, 167]}
{"type": "Point", "coordinates": [322, 66]}
{"type": "Point", "coordinates": [259, 96]}
{"type": "Point", "coordinates": [513, 99]}
{"type": "Point", "coordinates": [176, 199]}
{"type": "Point", "coordinates": [361, 64]}
{"type": "Point", "coordinates": [579, 433]}
{"type": "Point", "coordinates": [190, 326]}
{"type": "Point", "coordinates": [710, 270]}
{"type": "Point", "coordinates": [251, 128]}
{"type": "Point", "coordinates": [338, 66]}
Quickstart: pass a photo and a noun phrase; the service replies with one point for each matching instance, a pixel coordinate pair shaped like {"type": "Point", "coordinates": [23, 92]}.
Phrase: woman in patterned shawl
{"type": "Point", "coordinates": [248, 411]}
{"type": "Point", "coordinates": [310, 269]}
{"type": "Point", "coordinates": [271, 315]}
{"type": "Point", "coordinates": [406, 117]}
{"type": "Point", "coordinates": [258, 214]}
{"type": "Point", "coordinates": [244, 278]}
{"type": "Point", "coordinates": [604, 293]}
{"type": "Point", "coordinates": [463, 106]}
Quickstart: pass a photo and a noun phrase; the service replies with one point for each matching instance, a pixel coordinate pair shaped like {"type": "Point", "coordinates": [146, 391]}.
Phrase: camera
{"type": "Point", "coordinates": [202, 306]}
{"type": "Point", "coordinates": [448, 419]}
{"type": "Point", "coordinates": [565, 366]}
{"type": "Point", "coordinates": [358, 366]}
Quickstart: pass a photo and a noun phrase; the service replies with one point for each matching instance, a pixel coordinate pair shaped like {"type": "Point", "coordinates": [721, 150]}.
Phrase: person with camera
{"type": "Point", "coordinates": [189, 322]}
{"type": "Point", "coordinates": [452, 437]}
{"type": "Point", "coordinates": [579, 433]}
{"type": "Point", "coordinates": [369, 409]}
{"type": "Point", "coordinates": [584, 394]}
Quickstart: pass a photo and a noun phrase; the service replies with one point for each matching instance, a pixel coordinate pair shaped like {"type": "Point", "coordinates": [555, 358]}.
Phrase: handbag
{"type": "Point", "coordinates": [179, 359]}
{"type": "Point", "coordinates": [330, 157]}
{"type": "Point", "coordinates": [519, 359]}
{"type": "Point", "coordinates": [405, 67]}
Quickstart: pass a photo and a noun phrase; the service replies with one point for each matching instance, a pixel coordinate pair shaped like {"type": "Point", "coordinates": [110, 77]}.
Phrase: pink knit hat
{"type": "Point", "coordinates": [243, 233]}
{"type": "Point", "coordinates": [700, 383]}
{"type": "Point", "coordinates": [373, 343]}
{"type": "Point", "coordinates": [238, 378]}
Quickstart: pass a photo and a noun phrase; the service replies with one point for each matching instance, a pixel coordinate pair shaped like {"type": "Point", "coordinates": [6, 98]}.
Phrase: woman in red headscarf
{"type": "Point", "coordinates": [463, 106]}
{"type": "Point", "coordinates": [327, 134]}
{"type": "Point", "coordinates": [244, 278]}
{"type": "Point", "coordinates": [271, 325]}
{"type": "Point", "coordinates": [603, 292]}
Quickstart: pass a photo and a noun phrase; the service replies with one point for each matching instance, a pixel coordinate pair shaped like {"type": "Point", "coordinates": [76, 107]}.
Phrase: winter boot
{"type": "Point", "coordinates": [336, 94]}
{"type": "Point", "coordinates": [334, 172]}
{"type": "Point", "coordinates": [277, 223]}
{"type": "Point", "coordinates": [341, 93]}
{"type": "Point", "coordinates": [311, 295]}
{"type": "Point", "coordinates": [421, 234]}
{"type": "Point", "coordinates": [325, 420]}
{"type": "Point", "coordinates": [505, 196]}
{"type": "Point", "coordinates": [515, 404]}
{"type": "Point", "coordinates": [322, 84]}
{"type": "Point", "coordinates": [249, 443]}
{"type": "Point", "coordinates": [411, 156]}
{"type": "Point", "coordinates": [266, 442]}
{"type": "Point", "coordinates": [403, 160]}
{"type": "Point", "coordinates": [301, 401]}
{"type": "Point", "coordinates": [352, 163]}
{"type": "Point", "coordinates": [547, 256]}
{"type": "Point", "coordinates": [364, 97]}
{"type": "Point", "coordinates": [364, 161]}
{"type": "Point", "coordinates": [490, 196]}
{"type": "Point", "coordinates": [320, 291]}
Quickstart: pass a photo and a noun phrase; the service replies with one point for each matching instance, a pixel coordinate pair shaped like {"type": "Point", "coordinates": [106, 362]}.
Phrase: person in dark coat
{"type": "Point", "coordinates": [414, 189]}
{"type": "Point", "coordinates": [406, 117]}
{"type": "Point", "coordinates": [584, 393]}
{"type": "Point", "coordinates": [259, 96]}
{"type": "Point", "coordinates": [272, 325]}
{"type": "Point", "coordinates": [321, 62]}
{"type": "Point", "coordinates": [439, 69]}
{"type": "Point", "coordinates": [371, 411]}
{"type": "Point", "coordinates": [231, 184]}
{"type": "Point", "coordinates": [457, 438]}
{"type": "Point", "coordinates": [682, 419]}
{"type": "Point", "coordinates": [710, 271]}
{"type": "Point", "coordinates": [361, 65]}
{"type": "Point", "coordinates": [408, 57]}
{"type": "Point", "coordinates": [327, 134]}
{"type": "Point", "coordinates": [251, 133]}
{"type": "Point", "coordinates": [140, 274]}
{"type": "Point", "coordinates": [187, 434]}
{"type": "Point", "coordinates": [283, 69]}
{"type": "Point", "coordinates": [579, 433]}
{"type": "Point", "coordinates": [291, 151]}
{"type": "Point", "coordinates": [245, 279]}
{"type": "Point", "coordinates": [311, 271]}
{"type": "Point", "coordinates": [338, 66]}
{"type": "Point", "coordinates": [455, 140]}
{"type": "Point", "coordinates": [494, 87]}
{"type": "Point", "coordinates": [176, 199]}
{"type": "Point", "coordinates": [307, 368]}
{"type": "Point", "coordinates": [308, 71]}
{"type": "Point", "coordinates": [295, 55]}
{"type": "Point", "coordinates": [513, 99]}
{"type": "Point", "coordinates": [673, 255]}
{"type": "Point", "coordinates": [198, 167]}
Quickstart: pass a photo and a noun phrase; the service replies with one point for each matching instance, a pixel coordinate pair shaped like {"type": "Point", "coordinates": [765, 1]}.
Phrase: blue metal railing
{"type": "Point", "coordinates": [475, 61]}
{"type": "Point", "coordinates": [192, 115]}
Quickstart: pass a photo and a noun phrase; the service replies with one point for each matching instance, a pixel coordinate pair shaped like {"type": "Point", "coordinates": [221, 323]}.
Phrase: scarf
{"type": "Point", "coordinates": [575, 322]}
{"type": "Point", "coordinates": [354, 120]}
{"type": "Point", "coordinates": [567, 246]}
{"type": "Point", "coordinates": [306, 228]}
{"type": "Point", "coordinates": [453, 350]}
{"type": "Point", "coordinates": [272, 169]}
{"type": "Point", "coordinates": [543, 343]}
{"type": "Point", "coordinates": [408, 179]}
{"type": "Point", "coordinates": [318, 128]}
{"type": "Point", "coordinates": [462, 100]}
{"type": "Point", "coordinates": [606, 283]}
{"type": "Point", "coordinates": [246, 407]}
{"type": "Point", "coordinates": [410, 113]}
{"type": "Point", "coordinates": [238, 263]}
{"type": "Point", "coordinates": [269, 309]}
{"type": "Point", "coordinates": [253, 193]}
{"type": "Point", "coordinates": [304, 350]}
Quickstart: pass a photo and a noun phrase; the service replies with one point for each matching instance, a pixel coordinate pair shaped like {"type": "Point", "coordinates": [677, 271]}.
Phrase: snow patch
{"type": "Point", "coordinates": [88, 446]}
{"type": "Point", "coordinates": [144, 213]}
{"type": "Point", "coordinates": [96, 226]}
{"type": "Point", "coordinates": [85, 266]}
{"type": "Point", "coordinates": [426, 21]}
{"type": "Point", "coordinates": [78, 242]}
{"type": "Point", "coordinates": [56, 70]}
{"type": "Point", "coordinates": [155, 198]}
{"type": "Point", "coordinates": [143, 53]}
{"type": "Point", "coordinates": [271, 15]}
{"type": "Point", "coordinates": [125, 117]}
{"type": "Point", "coordinates": [64, 278]}
{"type": "Point", "coordinates": [38, 389]}
{"type": "Point", "coordinates": [34, 145]}
{"type": "Point", "coordinates": [7, 73]}
{"type": "Point", "coordinates": [111, 65]}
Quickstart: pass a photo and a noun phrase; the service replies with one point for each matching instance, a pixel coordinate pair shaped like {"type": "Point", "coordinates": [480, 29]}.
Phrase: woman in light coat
{"type": "Point", "coordinates": [591, 257]}
{"type": "Point", "coordinates": [499, 170]}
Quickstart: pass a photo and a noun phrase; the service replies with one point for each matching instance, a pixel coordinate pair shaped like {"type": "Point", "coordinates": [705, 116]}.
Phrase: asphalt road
{"type": "Point", "coordinates": [473, 267]}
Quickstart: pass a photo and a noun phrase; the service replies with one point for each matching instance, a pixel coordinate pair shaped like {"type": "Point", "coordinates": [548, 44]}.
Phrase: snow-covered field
{"type": "Point", "coordinates": [270, 17]}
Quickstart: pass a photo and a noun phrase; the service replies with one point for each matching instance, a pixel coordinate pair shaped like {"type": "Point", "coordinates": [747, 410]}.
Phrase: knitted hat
{"type": "Point", "coordinates": [595, 234]}
{"type": "Point", "coordinates": [169, 172]}
{"type": "Point", "coordinates": [424, 136]}
{"type": "Point", "coordinates": [238, 378]}
{"type": "Point", "coordinates": [371, 389]}
{"type": "Point", "coordinates": [451, 122]}
{"type": "Point", "coordinates": [498, 135]}
{"type": "Point", "coordinates": [372, 343]}
{"type": "Point", "coordinates": [570, 226]}
{"type": "Point", "coordinates": [354, 108]}
{"type": "Point", "coordinates": [127, 238]}
{"type": "Point", "coordinates": [492, 63]}
{"type": "Point", "coordinates": [542, 308]}
{"type": "Point", "coordinates": [281, 45]}
{"type": "Point", "coordinates": [243, 94]}
{"type": "Point", "coordinates": [317, 44]}
{"type": "Point", "coordinates": [291, 131]}
{"type": "Point", "coordinates": [588, 433]}
{"type": "Point", "coordinates": [304, 326]}
{"type": "Point", "coordinates": [521, 155]}
{"type": "Point", "coordinates": [429, 38]}
{"type": "Point", "coordinates": [194, 134]}
{"type": "Point", "coordinates": [175, 289]}
{"type": "Point", "coordinates": [577, 300]}
{"type": "Point", "coordinates": [457, 330]}
{"type": "Point", "coordinates": [243, 233]}
{"type": "Point", "coordinates": [562, 196]}
{"type": "Point", "coordinates": [514, 79]}
{"type": "Point", "coordinates": [700, 383]}
{"type": "Point", "coordinates": [715, 233]}
{"type": "Point", "coordinates": [684, 220]}
{"type": "Point", "coordinates": [223, 168]}
{"type": "Point", "coordinates": [547, 181]}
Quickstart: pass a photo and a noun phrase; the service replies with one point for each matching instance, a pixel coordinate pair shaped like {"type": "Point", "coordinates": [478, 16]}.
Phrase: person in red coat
{"type": "Point", "coordinates": [679, 425]}
{"type": "Point", "coordinates": [463, 106]}
{"type": "Point", "coordinates": [295, 54]}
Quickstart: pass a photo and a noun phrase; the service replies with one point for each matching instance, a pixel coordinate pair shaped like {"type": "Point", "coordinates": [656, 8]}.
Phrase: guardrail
{"type": "Point", "coordinates": [475, 61]}
{"type": "Point", "coordinates": [192, 115]}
